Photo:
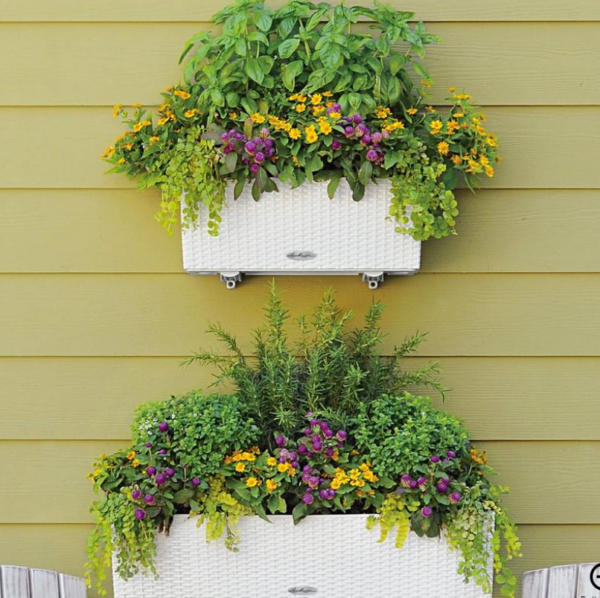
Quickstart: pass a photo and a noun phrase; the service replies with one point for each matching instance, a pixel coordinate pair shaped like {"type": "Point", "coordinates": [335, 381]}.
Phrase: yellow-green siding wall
{"type": "Point", "coordinates": [96, 314]}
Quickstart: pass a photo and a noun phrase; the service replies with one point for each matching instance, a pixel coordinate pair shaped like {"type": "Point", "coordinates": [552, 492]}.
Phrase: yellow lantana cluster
{"type": "Point", "coordinates": [239, 456]}
{"type": "Point", "coordinates": [357, 477]}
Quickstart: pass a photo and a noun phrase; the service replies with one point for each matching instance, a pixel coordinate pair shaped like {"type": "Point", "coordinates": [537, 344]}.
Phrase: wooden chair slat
{"type": "Point", "coordinates": [14, 582]}
{"type": "Point", "coordinates": [44, 584]}
{"type": "Point", "coordinates": [535, 584]}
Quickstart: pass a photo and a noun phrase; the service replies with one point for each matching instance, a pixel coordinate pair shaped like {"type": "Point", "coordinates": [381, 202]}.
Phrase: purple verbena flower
{"type": "Point", "coordinates": [259, 157]}
{"type": "Point", "coordinates": [336, 145]}
{"type": "Point", "coordinates": [324, 494]}
{"type": "Point", "coordinates": [151, 471]}
{"type": "Point", "coordinates": [136, 494]}
{"type": "Point", "coordinates": [442, 488]}
{"type": "Point", "coordinates": [372, 155]}
{"type": "Point", "coordinates": [140, 514]}
{"type": "Point", "coordinates": [148, 445]}
{"type": "Point", "coordinates": [450, 454]}
{"type": "Point", "coordinates": [254, 168]}
{"type": "Point", "coordinates": [455, 498]}
{"type": "Point", "coordinates": [405, 480]}
{"type": "Point", "coordinates": [435, 459]}
{"type": "Point", "coordinates": [163, 427]}
{"type": "Point", "coordinates": [280, 440]}
{"type": "Point", "coordinates": [169, 472]}
{"type": "Point", "coordinates": [149, 499]}
{"type": "Point", "coordinates": [342, 435]}
{"type": "Point", "coordinates": [195, 482]}
{"type": "Point", "coordinates": [308, 499]}
{"type": "Point", "coordinates": [422, 483]}
{"type": "Point", "coordinates": [295, 464]}
{"type": "Point", "coordinates": [161, 479]}
{"type": "Point", "coordinates": [413, 485]}
{"type": "Point", "coordinates": [162, 452]}
{"type": "Point", "coordinates": [377, 137]}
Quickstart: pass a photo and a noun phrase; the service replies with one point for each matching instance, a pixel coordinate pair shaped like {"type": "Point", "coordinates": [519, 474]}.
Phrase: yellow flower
{"type": "Point", "coordinates": [491, 142]}
{"type": "Point", "coordinates": [325, 128]}
{"type": "Point", "coordinates": [425, 83]}
{"type": "Point", "coordinates": [271, 486]}
{"type": "Point", "coordinates": [300, 107]}
{"type": "Point", "coordinates": [241, 467]}
{"type": "Point", "coordinates": [139, 126]}
{"type": "Point", "coordinates": [162, 121]}
{"type": "Point", "coordinates": [283, 467]}
{"type": "Point", "coordinates": [311, 134]}
{"type": "Point", "coordinates": [184, 95]}
{"type": "Point", "coordinates": [365, 467]}
{"type": "Point", "coordinates": [117, 110]}
{"type": "Point", "coordinates": [315, 99]}
{"type": "Point", "coordinates": [318, 110]}
{"type": "Point", "coordinates": [354, 474]}
{"type": "Point", "coordinates": [109, 152]}
{"type": "Point", "coordinates": [335, 456]}
{"type": "Point", "coordinates": [489, 171]}
{"type": "Point", "coordinates": [327, 94]}
{"type": "Point", "coordinates": [370, 476]}
{"type": "Point", "coordinates": [382, 112]}
{"type": "Point", "coordinates": [452, 126]}
{"type": "Point", "coordinates": [131, 455]}
{"type": "Point", "coordinates": [271, 461]}
{"type": "Point", "coordinates": [335, 115]}
{"type": "Point", "coordinates": [456, 159]}
{"type": "Point", "coordinates": [301, 98]}
{"type": "Point", "coordinates": [190, 113]}
{"type": "Point", "coordinates": [358, 483]}
{"type": "Point", "coordinates": [443, 148]}
{"type": "Point", "coordinates": [295, 161]}
{"type": "Point", "coordinates": [97, 472]}
{"type": "Point", "coordinates": [412, 111]}
{"type": "Point", "coordinates": [295, 133]}
{"type": "Point", "coordinates": [463, 96]}
{"type": "Point", "coordinates": [136, 462]}
{"type": "Point", "coordinates": [293, 98]}
{"type": "Point", "coordinates": [257, 118]}
{"type": "Point", "coordinates": [393, 126]}
{"type": "Point", "coordinates": [452, 89]}
{"type": "Point", "coordinates": [233, 115]}
{"type": "Point", "coordinates": [291, 472]}
{"type": "Point", "coordinates": [154, 139]}
{"type": "Point", "coordinates": [336, 484]}
{"type": "Point", "coordinates": [121, 161]}
{"type": "Point", "coordinates": [128, 146]}
{"type": "Point", "coordinates": [458, 115]}
{"type": "Point", "coordinates": [430, 108]}
{"type": "Point", "coordinates": [251, 482]}
{"type": "Point", "coordinates": [436, 126]}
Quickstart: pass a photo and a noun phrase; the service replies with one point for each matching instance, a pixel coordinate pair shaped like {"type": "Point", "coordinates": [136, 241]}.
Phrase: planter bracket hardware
{"type": "Point", "coordinates": [373, 279]}
{"type": "Point", "coordinates": [230, 279]}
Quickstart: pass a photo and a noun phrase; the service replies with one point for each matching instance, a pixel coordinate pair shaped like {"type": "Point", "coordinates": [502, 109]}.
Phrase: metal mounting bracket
{"type": "Point", "coordinates": [230, 279]}
{"type": "Point", "coordinates": [373, 279]}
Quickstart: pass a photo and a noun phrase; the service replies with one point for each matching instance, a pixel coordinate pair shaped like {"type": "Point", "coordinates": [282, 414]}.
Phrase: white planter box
{"type": "Point", "coordinates": [302, 231]}
{"type": "Point", "coordinates": [328, 556]}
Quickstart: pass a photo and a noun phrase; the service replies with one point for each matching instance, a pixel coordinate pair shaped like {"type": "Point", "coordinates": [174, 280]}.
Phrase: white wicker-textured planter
{"type": "Point", "coordinates": [302, 231]}
{"type": "Point", "coordinates": [328, 556]}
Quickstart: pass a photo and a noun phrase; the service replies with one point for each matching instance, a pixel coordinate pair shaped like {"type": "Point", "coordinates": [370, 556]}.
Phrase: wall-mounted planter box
{"type": "Point", "coordinates": [302, 231]}
{"type": "Point", "coordinates": [328, 556]}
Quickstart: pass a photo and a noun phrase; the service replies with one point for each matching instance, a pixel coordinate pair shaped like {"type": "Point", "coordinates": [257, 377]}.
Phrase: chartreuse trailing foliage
{"type": "Point", "coordinates": [307, 92]}
{"type": "Point", "coordinates": [323, 424]}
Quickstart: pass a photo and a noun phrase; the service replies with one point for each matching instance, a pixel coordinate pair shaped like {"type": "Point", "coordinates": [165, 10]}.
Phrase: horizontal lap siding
{"type": "Point", "coordinates": [96, 315]}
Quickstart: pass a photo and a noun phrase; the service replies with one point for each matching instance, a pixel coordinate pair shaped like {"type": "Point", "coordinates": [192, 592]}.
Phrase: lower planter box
{"type": "Point", "coordinates": [302, 231]}
{"type": "Point", "coordinates": [327, 556]}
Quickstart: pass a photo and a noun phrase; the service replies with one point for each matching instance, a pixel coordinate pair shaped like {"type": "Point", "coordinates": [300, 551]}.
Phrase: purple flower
{"type": "Point", "coordinates": [336, 145]}
{"type": "Point", "coordinates": [161, 479]}
{"type": "Point", "coordinates": [435, 459]}
{"type": "Point", "coordinates": [413, 485]}
{"type": "Point", "coordinates": [227, 149]}
{"type": "Point", "coordinates": [315, 438]}
{"type": "Point", "coordinates": [295, 464]}
{"type": "Point", "coordinates": [331, 494]}
{"type": "Point", "coordinates": [324, 494]}
{"type": "Point", "coordinates": [250, 147]}
{"type": "Point", "coordinates": [328, 433]}
{"type": "Point", "coordinates": [427, 512]}
{"type": "Point", "coordinates": [195, 482]}
{"type": "Point", "coordinates": [421, 483]}
{"type": "Point", "coordinates": [148, 445]}
{"type": "Point", "coordinates": [329, 452]}
{"type": "Point", "coordinates": [169, 472]}
{"type": "Point", "coordinates": [162, 452]}
{"type": "Point", "coordinates": [317, 446]}
{"type": "Point", "coordinates": [445, 481]}
{"type": "Point", "coordinates": [307, 431]}
{"type": "Point", "coordinates": [302, 449]}
{"type": "Point", "coordinates": [259, 157]}
{"type": "Point", "coordinates": [148, 499]}
{"type": "Point", "coordinates": [405, 480]}
{"type": "Point", "coordinates": [455, 498]}
{"type": "Point", "coordinates": [313, 481]}
{"type": "Point", "coordinates": [280, 440]}
{"type": "Point", "coordinates": [307, 469]}
{"type": "Point", "coordinates": [254, 168]}
{"type": "Point", "coordinates": [283, 459]}
{"type": "Point", "coordinates": [264, 133]}
{"type": "Point", "coordinates": [151, 471]}
{"type": "Point", "coordinates": [314, 422]}
{"type": "Point", "coordinates": [308, 499]}
{"type": "Point", "coordinates": [140, 514]}
{"type": "Point", "coordinates": [342, 435]}
{"type": "Point", "coordinates": [377, 137]}
{"type": "Point", "coordinates": [366, 139]}
{"type": "Point", "coordinates": [224, 136]}
{"type": "Point", "coordinates": [349, 131]}
{"type": "Point", "coordinates": [310, 455]}
{"type": "Point", "coordinates": [334, 108]}
{"type": "Point", "coordinates": [372, 155]}
{"type": "Point", "coordinates": [385, 135]}
{"type": "Point", "coordinates": [357, 118]}
{"type": "Point", "coordinates": [442, 488]}
{"type": "Point", "coordinates": [136, 494]}
{"type": "Point", "coordinates": [163, 427]}
{"type": "Point", "coordinates": [450, 454]}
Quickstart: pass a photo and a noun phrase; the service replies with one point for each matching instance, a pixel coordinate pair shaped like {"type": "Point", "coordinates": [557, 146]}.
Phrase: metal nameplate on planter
{"type": "Point", "coordinates": [301, 256]}
{"type": "Point", "coordinates": [303, 591]}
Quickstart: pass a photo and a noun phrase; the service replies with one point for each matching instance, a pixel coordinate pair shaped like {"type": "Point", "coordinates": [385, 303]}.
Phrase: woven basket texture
{"type": "Point", "coordinates": [338, 236]}
{"type": "Point", "coordinates": [326, 556]}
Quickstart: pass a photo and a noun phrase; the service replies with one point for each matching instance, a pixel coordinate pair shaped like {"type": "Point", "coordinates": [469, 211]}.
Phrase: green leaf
{"type": "Point", "coordinates": [288, 47]}
{"type": "Point", "coordinates": [183, 496]}
{"type": "Point", "coordinates": [254, 70]}
{"type": "Point", "coordinates": [239, 187]}
{"type": "Point", "coordinates": [286, 26]}
{"type": "Point", "coordinates": [300, 512]}
{"type": "Point", "coordinates": [292, 70]}
{"type": "Point", "coordinates": [354, 100]}
{"type": "Point", "coordinates": [397, 61]}
{"type": "Point", "coordinates": [366, 172]}
{"type": "Point", "coordinates": [249, 105]}
{"type": "Point", "coordinates": [333, 184]}
{"type": "Point", "coordinates": [231, 161]}
{"type": "Point", "coordinates": [216, 95]}
{"type": "Point", "coordinates": [263, 20]}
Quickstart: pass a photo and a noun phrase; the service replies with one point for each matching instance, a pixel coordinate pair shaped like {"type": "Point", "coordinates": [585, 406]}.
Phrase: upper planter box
{"type": "Point", "coordinates": [326, 556]}
{"type": "Point", "coordinates": [302, 231]}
